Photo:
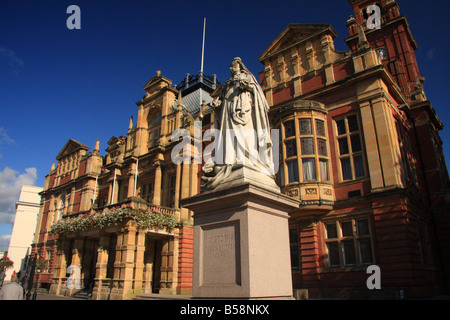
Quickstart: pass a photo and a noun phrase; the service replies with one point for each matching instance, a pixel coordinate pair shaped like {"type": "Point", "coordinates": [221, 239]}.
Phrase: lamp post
{"type": "Point", "coordinates": [30, 278]}
{"type": "Point", "coordinates": [37, 283]}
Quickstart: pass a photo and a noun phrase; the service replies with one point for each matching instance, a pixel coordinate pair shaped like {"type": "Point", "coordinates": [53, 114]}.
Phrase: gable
{"type": "Point", "coordinates": [70, 147]}
{"type": "Point", "coordinates": [294, 34]}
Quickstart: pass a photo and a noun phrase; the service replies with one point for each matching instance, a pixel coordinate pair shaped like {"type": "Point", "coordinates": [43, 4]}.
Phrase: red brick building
{"type": "Point", "coordinates": [359, 146]}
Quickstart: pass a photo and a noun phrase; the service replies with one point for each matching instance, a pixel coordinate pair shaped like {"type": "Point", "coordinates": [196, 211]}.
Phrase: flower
{"type": "Point", "coordinates": [5, 263]}
{"type": "Point", "coordinates": [144, 217]}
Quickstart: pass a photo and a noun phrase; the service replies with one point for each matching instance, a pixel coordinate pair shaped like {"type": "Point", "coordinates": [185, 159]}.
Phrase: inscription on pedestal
{"type": "Point", "coordinates": [220, 254]}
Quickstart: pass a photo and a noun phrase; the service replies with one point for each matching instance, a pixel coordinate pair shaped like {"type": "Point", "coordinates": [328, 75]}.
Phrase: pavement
{"type": "Point", "coordinates": [45, 296]}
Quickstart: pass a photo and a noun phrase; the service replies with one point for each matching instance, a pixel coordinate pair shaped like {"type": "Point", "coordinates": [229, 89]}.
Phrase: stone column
{"type": "Point", "coordinates": [59, 272]}
{"type": "Point", "coordinates": [125, 263]}
{"type": "Point", "coordinates": [101, 268]}
{"type": "Point", "coordinates": [113, 186]}
{"type": "Point", "coordinates": [157, 184]}
{"type": "Point", "coordinates": [117, 280]}
{"type": "Point", "coordinates": [131, 180]}
{"type": "Point", "coordinates": [185, 193]}
{"type": "Point", "coordinates": [139, 262]}
{"type": "Point", "coordinates": [128, 259]}
{"type": "Point", "coordinates": [77, 254]}
{"type": "Point", "coordinates": [177, 186]}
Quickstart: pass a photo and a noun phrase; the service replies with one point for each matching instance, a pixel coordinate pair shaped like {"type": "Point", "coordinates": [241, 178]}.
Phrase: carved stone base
{"type": "Point", "coordinates": [241, 243]}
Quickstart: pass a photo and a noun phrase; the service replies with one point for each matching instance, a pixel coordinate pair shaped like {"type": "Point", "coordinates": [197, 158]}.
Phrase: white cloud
{"type": "Point", "coordinates": [4, 138]}
{"type": "Point", "coordinates": [4, 242]}
{"type": "Point", "coordinates": [11, 182]}
{"type": "Point", "coordinates": [12, 59]}
{"type": "Point", "coordinates": [11, 56]}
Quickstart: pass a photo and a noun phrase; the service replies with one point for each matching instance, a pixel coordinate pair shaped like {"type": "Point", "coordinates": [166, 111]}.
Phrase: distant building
{"type": "Point", "coordinates": [27, 209]}
{"type": "Point", "coordinates": [359, 146]}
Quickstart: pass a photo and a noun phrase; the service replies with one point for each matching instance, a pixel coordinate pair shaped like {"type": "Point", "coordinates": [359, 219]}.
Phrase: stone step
{"type": "Point", "coordinates": [156, 296]}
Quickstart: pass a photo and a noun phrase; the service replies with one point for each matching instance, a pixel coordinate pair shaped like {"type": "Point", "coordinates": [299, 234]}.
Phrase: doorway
{"type": "Point", "coordinates": [152, 265]}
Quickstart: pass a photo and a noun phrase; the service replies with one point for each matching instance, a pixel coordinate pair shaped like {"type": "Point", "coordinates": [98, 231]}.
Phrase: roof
{"type": "Point", "coordinates": [192, 101]}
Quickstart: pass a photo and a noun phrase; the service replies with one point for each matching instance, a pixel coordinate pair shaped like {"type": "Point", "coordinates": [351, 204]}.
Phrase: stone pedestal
{"type": "Point", "coordinates": [241, 243]}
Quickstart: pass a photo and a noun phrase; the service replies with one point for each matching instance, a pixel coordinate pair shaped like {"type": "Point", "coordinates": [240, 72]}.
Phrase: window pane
{"type": "Point", "coordinates": [347, 229]}
{"type": "Point", "coordinates": [331, 230]}
{"type": "Point", "coordinates": [292, 170]}
{"type": "Point", "coordinates": [356, 143]}
{"type": "Point", "coordinates": [295, 261]}
{"type": "Point", "coordinates": [155, 120]}
{"type": "Point", "coordinates": [309, 169]}
{"type": "Point", "coordinates": [346, 169]}
{"type": "Point", "coordinates": [343, 146]}
{"type": "Point", "coordinates": [352, 123]}
{"type": "Point", "coordinates": [320, 128]}
{"type": "Point", "coordinates": [291, 148]}
{"type": "Point", "coordinates": [307, 146]}
{"type": "Point", "coordinates": [341, 127]}
{"type": "Point", "coordinates": [359, 166]}
{"type": "Point", "coordinates": [362, 227]}
{"type": "Point", "coordinates": [349, 252]}
{"type": "Point", "coordinates": [322, 147]}
{"type": "Point", "coordinates": [293, 235]}
{"type": "Point", "coordinates": [323, 164]}
{"type": "Point", "coordinates": [333, 254]}
{"type": "Point", "coordinates": [305, 126]}
{"type": "Point", "coordinates": [289, 129]}
{"type": "Point", "coordinates": [365, 251]}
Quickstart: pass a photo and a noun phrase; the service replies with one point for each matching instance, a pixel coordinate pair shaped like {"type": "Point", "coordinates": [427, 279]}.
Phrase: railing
{"type": "Point", "coordinates": [164, 210]}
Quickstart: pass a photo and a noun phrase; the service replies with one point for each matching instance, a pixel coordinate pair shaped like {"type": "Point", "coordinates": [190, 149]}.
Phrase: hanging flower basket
{"type": "Point", "coordinates": [144, 217]}
{"type": "Point", "coordinates": [5, 263]}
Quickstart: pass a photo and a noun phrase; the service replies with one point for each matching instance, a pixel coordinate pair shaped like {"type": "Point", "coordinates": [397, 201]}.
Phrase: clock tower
{"type": "Point", "coordinates": [388, 31]}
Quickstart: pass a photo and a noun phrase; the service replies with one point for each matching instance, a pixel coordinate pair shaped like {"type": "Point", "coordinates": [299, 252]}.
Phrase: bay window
{"type": "Point", "coordinates": [306, 155]}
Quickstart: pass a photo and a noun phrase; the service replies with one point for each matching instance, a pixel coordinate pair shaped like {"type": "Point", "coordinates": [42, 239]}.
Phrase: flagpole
{"type": "Point", "coordinates": [95, 189]}
{"type": "Point", "coordinates": [203, 55]}
{"type": "Point", "coordinates": [203, 43]}
{"type": "Point", "coordinates": [114, 186]}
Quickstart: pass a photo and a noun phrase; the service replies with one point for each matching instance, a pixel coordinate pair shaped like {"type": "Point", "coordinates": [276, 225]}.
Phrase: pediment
{"type": "Point", "coordinates": [294, 34]}
{"type": "Point", "coordinates": [71, 147]}
{"type": "Point", "coordinates": [157, 83]}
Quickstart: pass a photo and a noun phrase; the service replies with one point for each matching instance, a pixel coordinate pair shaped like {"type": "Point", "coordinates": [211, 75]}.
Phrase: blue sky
{"type": "Point", "coordinates": [57, 83]}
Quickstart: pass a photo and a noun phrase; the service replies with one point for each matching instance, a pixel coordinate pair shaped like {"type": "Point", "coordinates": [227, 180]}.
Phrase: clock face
{"type": "Point", "coordinates": [382, 53]}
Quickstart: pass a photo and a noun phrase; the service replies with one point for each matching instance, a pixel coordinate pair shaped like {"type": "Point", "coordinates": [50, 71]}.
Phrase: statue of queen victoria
{"type": "Point", "coordinates": [242, 137]}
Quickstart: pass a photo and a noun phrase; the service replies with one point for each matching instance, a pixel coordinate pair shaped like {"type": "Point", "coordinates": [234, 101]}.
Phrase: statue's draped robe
{"type": "Point", "coordinates": [242, 113]}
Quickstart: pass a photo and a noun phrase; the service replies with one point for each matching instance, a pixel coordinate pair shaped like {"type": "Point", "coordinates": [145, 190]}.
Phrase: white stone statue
{"type": "Point", "coordinates": [243, 144]}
